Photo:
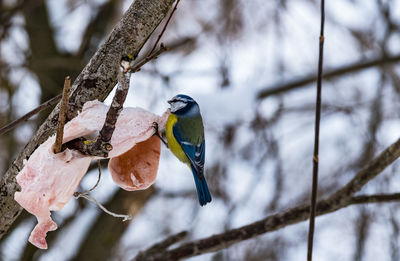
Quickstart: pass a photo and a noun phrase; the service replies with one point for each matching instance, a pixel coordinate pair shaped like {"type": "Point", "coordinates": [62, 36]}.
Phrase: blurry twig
{"type": "Point", "coordinates": [329, 74]}
{"type": "Point", "coordinates": [28, 115]}
{"type": "Point", "coordinates": [161, 246]}
{"type": "Point", "coordinates": [316, 138]}
{"type": "Point", "coordinates": [165, 27]}
{"type": "Point", "coordinates": [138, 65]}
{"type": "Point", "coordinates": [378, 198]}
{"type": "Point", "coordinates": [62, 115]}
{"type": "Point", "coordinates": [135, 68]}
{"type": "Point", "coordinates": [340, 199]}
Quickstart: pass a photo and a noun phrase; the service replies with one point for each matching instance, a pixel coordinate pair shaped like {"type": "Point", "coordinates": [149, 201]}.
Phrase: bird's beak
{"type": "Point", "coordinates": [170, 101]}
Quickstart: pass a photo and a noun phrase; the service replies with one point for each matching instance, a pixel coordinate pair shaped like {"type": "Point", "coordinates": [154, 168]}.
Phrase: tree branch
{"type": "Point", "coordinates": [138, 65]}
{"type": "Point", "coordinates": [161, 246]}
{"type": "Point", "coordinates": [164, 28]}
{"type": "Point", "coordinates": [342, 198]}
{"type": "Point", "coordinates": [96, 81]}
{"type": "Point", "coordinates": [329, 74]}
{"type": "Point", "coordinates": [379, 198]}
{"type": "Point", "coordinates": [316, 138]}
{"type": "Point", "coordinates": [28, 115]}
{"type": "Point", "coordinates": [62, 115]}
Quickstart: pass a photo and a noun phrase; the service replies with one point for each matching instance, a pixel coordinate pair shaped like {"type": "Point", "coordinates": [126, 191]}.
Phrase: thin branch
{"type": "Point", "coordinates": [340, 199]}
{"type": "Point", "coordinates": [86, 196]}
{"type": "Point", "coordinates": [339, 71]}
{"type": "Point", "coordinates": [115, 109]}
{"type": "Point", "coordinates": [379, 198]}
{"type": "Point", "coordinates": [165, 27]}
{"type": "Point", "coordinates": [316, 138]}
{"type": "Point", "coordinates": [92, 199]}
{"type": "Point", "coordinates": [62, 115]}
{"type": "Point", "coordinates": [137, 66]}
{"type": "Point", "coordinates": [27, 116]}
{"type": "Point", "coordinates": [98, 177]}
{"type": "Point", "coordinates": [161, 246]}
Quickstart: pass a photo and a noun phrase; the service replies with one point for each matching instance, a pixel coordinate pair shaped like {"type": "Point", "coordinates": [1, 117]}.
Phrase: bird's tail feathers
{"type": "Point", "coordinates": [202, 188]}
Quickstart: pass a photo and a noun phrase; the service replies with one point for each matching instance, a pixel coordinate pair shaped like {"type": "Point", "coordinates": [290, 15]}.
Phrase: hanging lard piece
{"type": "Point", "coordinates": [49, 180]}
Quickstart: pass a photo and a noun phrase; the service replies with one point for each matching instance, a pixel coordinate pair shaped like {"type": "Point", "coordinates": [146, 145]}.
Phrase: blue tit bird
{"type": "Point", "coordinates": [185, 136]}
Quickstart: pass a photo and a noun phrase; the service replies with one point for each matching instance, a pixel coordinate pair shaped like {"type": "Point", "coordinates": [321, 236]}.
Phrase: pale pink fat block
{"type": "Point", "coordinates": [49, 180]}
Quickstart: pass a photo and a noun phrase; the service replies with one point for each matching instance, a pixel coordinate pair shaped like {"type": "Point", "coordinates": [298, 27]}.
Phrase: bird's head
{"type": "Point", "coordinates": [184, 105]}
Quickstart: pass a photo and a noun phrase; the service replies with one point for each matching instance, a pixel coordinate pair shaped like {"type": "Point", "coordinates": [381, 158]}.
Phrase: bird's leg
{"type": "Point", "coordinates": [156, 133]}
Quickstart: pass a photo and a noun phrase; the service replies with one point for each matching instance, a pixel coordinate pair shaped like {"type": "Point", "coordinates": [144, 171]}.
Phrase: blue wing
{"type": "Point", "coordinates": [196, 155]}
{"type": "Point", "coordinates": [194, 152]}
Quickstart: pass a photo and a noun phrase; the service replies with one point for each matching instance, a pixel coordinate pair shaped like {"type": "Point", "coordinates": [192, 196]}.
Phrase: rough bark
{"type": "Point", "coordinates": [95, 81]}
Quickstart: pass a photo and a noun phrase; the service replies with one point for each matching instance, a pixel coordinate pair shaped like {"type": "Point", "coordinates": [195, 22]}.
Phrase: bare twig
{"type": "Point", "coordinates": [115, 109]}
{"type": "Point", "coordinates": [340, 199]}
{"type": "Point", "coordinates": [161, 246]}
{"type": "Point", "coordinates": [329, 74]}
{"type": "Point", "coordinates": [136, 67]}
{"type": "Point", "coordinates": [85, 195]}
{"type": "Point", "coordinates": [379, 198]}
{"type": "Point", "coordinates": [98, 178]}
{"type": "Point", "coordinates": [62, 115]}
{"type": "Point", "coordinates": [316, 138]}
{"type": "Point", "coordinates": [165, 27]}
{"type": "Point", "coordinates": [27, 116]}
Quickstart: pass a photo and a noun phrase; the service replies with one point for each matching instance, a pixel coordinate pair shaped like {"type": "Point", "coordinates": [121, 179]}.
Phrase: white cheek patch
{"type": "Point", "coordinates": [177, 106]}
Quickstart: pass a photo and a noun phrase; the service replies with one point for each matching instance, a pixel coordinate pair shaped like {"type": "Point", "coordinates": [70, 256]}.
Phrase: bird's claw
{"type": "Point", "coordinates": [155, 126]}
{"type": "Point", "coordinates": [157, 133]}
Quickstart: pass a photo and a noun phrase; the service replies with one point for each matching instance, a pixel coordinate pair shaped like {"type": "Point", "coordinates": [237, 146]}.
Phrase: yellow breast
{"type": "Point", "coordinates": [172, 142]}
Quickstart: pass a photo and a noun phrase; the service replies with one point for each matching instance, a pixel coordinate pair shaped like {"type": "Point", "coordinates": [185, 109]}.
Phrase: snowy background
{"type": "Point", "coordinates": [258, 149]}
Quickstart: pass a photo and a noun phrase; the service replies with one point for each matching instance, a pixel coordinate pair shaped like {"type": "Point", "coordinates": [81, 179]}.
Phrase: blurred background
{"type": "Point", "coordinates": [251, 65]}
